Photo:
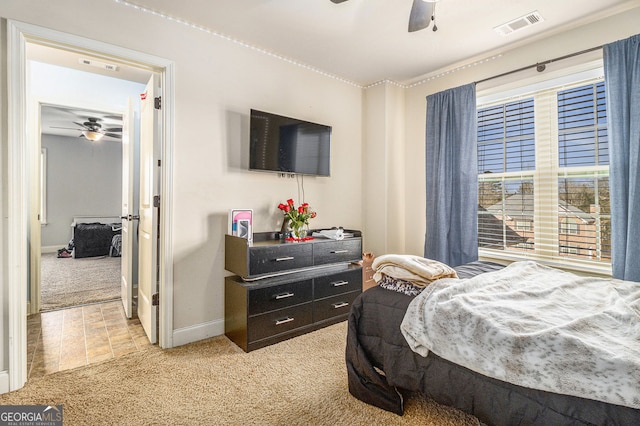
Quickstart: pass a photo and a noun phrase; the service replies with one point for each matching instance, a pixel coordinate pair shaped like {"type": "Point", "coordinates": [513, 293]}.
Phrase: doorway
{"type": "Point", "coordinates": [20, 149]}
{"type": "Point", "coordinates": [80, 191]}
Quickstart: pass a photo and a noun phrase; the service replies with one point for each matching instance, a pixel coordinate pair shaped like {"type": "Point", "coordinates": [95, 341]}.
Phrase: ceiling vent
{"type": "Point", "coordinates": [98, 64]}
{"type": "Point", "coordinates": [519, 23]}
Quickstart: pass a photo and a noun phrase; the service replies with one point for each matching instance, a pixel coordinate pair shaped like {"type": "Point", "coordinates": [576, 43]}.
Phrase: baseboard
{"type": "Point", "coordinates": [185, 335]}
{"type": "Point", "coordinates": [4, 381]}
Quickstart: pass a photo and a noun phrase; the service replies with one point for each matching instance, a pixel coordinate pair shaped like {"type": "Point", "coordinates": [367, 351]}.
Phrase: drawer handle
{"type": "Point", "coordinates": [284, 321]}
{"type": "Point", "coordinates": [282, 259]}
{"type": "Point", "coordinates": [339, 251]}
{"type": "Point", "coordinates": [339, 283]}
{"type": "Point", "coordinates": [340, 305]}
{"type": "Point", "coordinates": [284, 295]}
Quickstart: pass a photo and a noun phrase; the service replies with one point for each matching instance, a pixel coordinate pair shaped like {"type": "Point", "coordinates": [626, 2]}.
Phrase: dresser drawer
{"type": "Point", "coordinates": [333, 306]}
{"type": "Point", "coordinates": [278, 258]}
{"type": "Point", "coordinates": [272, 323]}
{"type": "Point", "coordinates": [270, 298]}
{"type": "Point", "coordinates": [343, 282]}
{"type": "Point", "coordinates": [348, 250]}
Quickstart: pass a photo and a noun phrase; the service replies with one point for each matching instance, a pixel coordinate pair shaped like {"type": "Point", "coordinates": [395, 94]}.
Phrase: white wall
{"type": "Point", "coordinates": [4, 249]}
{"type": "Point", "coordinates": [84, 178]}
{"type": "Point", "coordinates": [383, 180]}
{"type": "Point", "coordinates": [217, 83]}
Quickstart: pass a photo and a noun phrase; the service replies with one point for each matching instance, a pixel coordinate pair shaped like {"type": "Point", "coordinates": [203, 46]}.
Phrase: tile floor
{"type": "Point", "coordinates": [82, 335]}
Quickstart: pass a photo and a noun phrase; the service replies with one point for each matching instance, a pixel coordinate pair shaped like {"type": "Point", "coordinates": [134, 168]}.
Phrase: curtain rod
{"type": "Point", "coordinates": [541, 64]}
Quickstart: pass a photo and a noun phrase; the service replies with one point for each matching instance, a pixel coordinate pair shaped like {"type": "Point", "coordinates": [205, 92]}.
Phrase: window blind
{"type": "Point", "coordinates": [543, 176]}
{"type": "Point", "coordinates": [583, 183]}
{"type": "Point", "coordinates": [506, 162]}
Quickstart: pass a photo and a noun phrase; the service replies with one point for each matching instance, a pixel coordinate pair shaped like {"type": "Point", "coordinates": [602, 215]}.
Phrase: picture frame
{"type": "Point", "coordinates": [241, 223]}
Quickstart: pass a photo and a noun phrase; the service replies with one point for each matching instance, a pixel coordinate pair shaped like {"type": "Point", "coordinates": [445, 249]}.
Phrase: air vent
{"type": "Point", "coordinates": [98, 64]}
{"type": "Point", "coordinates": [519, 23]}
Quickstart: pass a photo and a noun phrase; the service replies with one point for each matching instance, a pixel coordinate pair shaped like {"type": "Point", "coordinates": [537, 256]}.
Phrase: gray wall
{"type": "Point", "coordinates": [83, 179]}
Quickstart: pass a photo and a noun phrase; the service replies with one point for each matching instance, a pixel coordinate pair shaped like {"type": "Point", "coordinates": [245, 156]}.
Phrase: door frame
{"type": "Point", "coordinates": [19, 154]}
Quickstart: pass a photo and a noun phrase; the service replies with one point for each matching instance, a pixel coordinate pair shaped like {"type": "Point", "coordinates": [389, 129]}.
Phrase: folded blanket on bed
{"type": "Point", "coordinates": [418, 270]}
{"type": "Point", "coordinates": [537, 327]}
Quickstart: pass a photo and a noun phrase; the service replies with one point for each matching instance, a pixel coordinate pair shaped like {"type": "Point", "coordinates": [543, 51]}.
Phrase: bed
{"type": "Point", "coordinates": [383, 370]}
{"type": "Point", "coordinates": [94, 236]}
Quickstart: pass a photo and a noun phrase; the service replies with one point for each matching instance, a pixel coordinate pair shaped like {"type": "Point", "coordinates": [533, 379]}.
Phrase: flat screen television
{"type": "Point", "coordinates": [288, 145]}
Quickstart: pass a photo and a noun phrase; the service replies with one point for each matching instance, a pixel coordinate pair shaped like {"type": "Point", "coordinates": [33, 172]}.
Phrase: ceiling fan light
{"type": "Point", "coordinates": [92, 136]}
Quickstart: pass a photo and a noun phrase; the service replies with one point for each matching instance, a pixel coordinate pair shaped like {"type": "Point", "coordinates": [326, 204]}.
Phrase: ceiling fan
{"type": "Point", "coordinates": [422, 14]}
{"type": "Point", "coordinates": [93, 131]}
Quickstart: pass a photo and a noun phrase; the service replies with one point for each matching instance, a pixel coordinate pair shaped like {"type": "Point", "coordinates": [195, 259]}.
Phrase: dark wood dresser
{"type": "Point", "coordinates": [285, 289]}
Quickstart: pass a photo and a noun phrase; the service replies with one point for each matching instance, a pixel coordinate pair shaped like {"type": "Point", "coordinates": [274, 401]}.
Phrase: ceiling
{"type": "Point", "coordinates": [61, 120]}
{"type": "Point", "coordinates": [361, 41]}
{"type": "Point", "coordinates": [366, 41]}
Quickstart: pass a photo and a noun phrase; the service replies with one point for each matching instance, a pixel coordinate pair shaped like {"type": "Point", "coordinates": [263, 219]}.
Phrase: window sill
{"type": "Point", "coordinates": [576, 266]}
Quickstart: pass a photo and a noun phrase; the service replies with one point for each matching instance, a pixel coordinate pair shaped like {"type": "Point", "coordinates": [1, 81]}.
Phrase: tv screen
{"type": "Point", "coordinates": [288, 145]}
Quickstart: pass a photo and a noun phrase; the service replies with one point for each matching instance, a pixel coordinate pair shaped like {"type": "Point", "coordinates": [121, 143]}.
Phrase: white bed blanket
{"type": "Point", "coordinates": [418, 270]}
{"type": "Point", "coordinates": [537, 327]}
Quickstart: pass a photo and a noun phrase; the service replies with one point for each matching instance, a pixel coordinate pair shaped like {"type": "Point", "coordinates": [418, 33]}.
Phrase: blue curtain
{"type": "Point", "coordinates": [452, 176]}
{"type": "Point", "coordinates": [622, 77]}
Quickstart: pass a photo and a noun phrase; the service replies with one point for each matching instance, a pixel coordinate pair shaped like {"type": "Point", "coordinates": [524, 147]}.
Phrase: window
{"type": "Point", "coordinates": [543, 173]}
{"type": "Point", "coordinates": [506, 166]}
{"type": "Point", "coordinates": [583, 175]}
{"type": "Point", "coordinates": [569, 250]}
{"type": "Point", "coordinates": [568, 226]}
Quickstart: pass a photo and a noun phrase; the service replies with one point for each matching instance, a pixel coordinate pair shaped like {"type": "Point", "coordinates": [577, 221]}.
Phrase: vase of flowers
{"type": "Point", "coordinates": [297, 218]}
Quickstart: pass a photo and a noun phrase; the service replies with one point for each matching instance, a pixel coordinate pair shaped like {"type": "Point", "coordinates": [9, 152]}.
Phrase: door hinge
{"type": "Point", "coordinates": [155, 299]}
{"type": "Point", "coordinates": [157, 102]}
{"type": "Point", "coordinates": [156, 201]}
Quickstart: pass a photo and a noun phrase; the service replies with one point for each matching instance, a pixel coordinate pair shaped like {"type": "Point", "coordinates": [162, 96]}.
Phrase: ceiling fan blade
{"type": "Point", "coordinates": [338, 1]}
{"type": "Point", "coordinates": [113, 129]}
{"type": "Point", "coordinates": [67, 128]}
{"type": "Point", "coordinates": [78, 124]}
{"type": "Point", "coordinates": [113, 135]}
{"type": "Point", "coordinates": [420, 17]}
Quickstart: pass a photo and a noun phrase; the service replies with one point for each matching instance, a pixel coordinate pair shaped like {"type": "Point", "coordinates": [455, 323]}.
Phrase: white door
{"type": "Point", "coordinates": [36, 165]}
{"type": "Point", "coordinates": [128, 210]}
{"type": "Point", "coordinates": [148, 225]}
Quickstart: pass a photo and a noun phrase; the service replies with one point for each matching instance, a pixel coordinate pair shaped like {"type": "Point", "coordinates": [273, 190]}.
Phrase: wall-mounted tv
{"type": "Point", "coordinates": [288, 145]}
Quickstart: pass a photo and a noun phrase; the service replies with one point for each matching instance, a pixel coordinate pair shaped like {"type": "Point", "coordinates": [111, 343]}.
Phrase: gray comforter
{"type": "Point", "coordinates": [383, 370]}
{"type": "Point", "coordinates": [537, 327]}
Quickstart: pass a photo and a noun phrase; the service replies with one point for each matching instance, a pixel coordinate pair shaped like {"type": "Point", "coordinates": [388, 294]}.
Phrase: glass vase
{"type": "Point", "coordinates": [298, 232]}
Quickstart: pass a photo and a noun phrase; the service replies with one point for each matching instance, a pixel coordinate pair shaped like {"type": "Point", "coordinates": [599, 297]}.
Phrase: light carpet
{"type": "Point", "coordinates": [302, 381]}
{"type": "Point", "coordinates": [72, 282]}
